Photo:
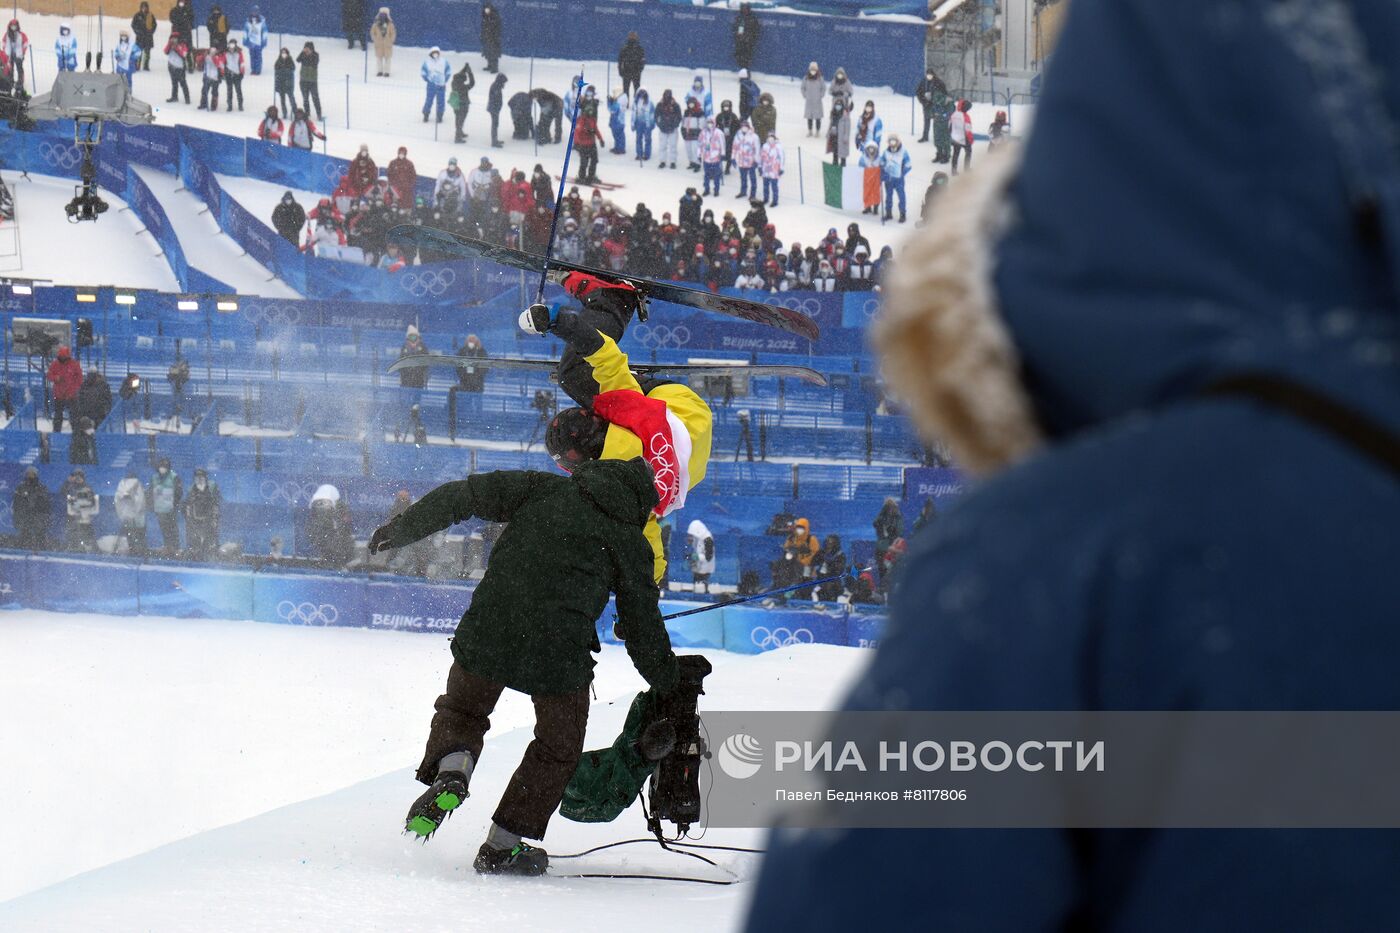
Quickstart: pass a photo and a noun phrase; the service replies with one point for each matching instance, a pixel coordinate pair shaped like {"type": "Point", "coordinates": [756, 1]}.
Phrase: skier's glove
{"type": "Point", "coordinates": [387, 537]}
{"type": "Point", "coordinates": [556, 275]}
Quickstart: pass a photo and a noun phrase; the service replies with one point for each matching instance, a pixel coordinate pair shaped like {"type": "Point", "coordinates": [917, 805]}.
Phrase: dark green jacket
{"type": "Point", "coordinates": [568, 543]}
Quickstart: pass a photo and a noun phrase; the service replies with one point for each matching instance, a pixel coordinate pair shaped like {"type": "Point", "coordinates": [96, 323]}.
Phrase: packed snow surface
{"type": "Point", "coordinates": [192, 774]}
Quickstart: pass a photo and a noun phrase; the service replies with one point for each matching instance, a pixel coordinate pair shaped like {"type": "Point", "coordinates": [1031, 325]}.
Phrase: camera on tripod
{"type": "Point", "coordinates": [544, 403]}
{"type": "Point", "coordinates": [178, 375]}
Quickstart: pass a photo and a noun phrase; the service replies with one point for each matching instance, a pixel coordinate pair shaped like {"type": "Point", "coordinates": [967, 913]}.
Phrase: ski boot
{"type": "Point", "coordinates": [519, 859]}
{"type": "Point", "coordinates": [437, 803]}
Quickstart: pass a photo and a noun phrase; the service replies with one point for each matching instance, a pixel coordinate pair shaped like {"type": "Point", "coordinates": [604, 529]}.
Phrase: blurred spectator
{"type": "Point", "coordinates": [284, 72]}
{"type": "Point", "coordinates": [255, 39]}
{"type": "Point", "coordinates": [830, 562]}
{"type": "Point", "coordinates": [786, 571]}
{"type": "Point", "coordinates": [813, 93]}
{"type": "Point", "coordinates": [999, 132]}
{"type": "Point", "coordinates": [728, 123]}
{"type": "Point", "coordinates": [412, 430]}
{"type": "Point", "coordinates": [960, 128]}
{"type": "Point", "coordinates": [124, 57]}
{"type": "Point", "coordinates": [493, 108]}
{"type": "Point", "coordinates": [701, 550]}
{"type": "Point", "coordinates": [310, 62]}
{"type": "Point", "coordinates": [926, 515]}
{"type": "Point", "coordinates": [550, 127]}
{"type": "Point", "coordinates": [130, 503]}
{"type": "Point", "coordinates": [772, 163]}
{"type": "Point", "coordinates": [451, 183]}
{"type": "Point", "coordinates": [361, 173]}
{"type": "Point", "coordinates": [383, 33]}
{"type": "Point", "coordinates": [94, 398]}
{"type": "Point", "coordinates": [460, 101]}
{"type": "Point", "coordinates": [164, 495]}
{"type": "Point", "coordinates": [302, 131]}
{"type": "Point", "coordinates": [936, 187]}
{"type": "Point", "coordinates": [587, 138]}
{"type": "Point", "coordinates": [842, 88]}
{"type": "Point", "coordinates": [863, 590]}
{"type": "Point", "coordinates": [471, 378]}
{"type": "Point", "coordinates": [804, 546]}
{"type": "Point", "coordinates": [143, 27]}
{"type": "Point", "coordinates": [212, 72]}
{"type": "Point", "coordinates": [491, 36]}
{"type": "Point", "coordinates": [838, 134]}
{"type": "Point", "coordinates": [182, 22]}
{"type": "Point", "coordinates": [692, 124]}
{"type": "Point", "coordinates": [711, 145]}
{"type": "Point", "coordinates": [889, 561]}
{"type": "Point", "coordinates": [764, 117]}
{"type": "Point", "coordinates": [403, 177]}
{"type": "Point", "coordinates": [270, 127]}
{"type": "Point", "coordinates": [748, 94]}
{"type": "Point", "coordinates": [83, 447]}
{"type": "Point", "coordinates": [869, 127]}
{"type": "Point", "coordinates": [668, 122]}
{"type": "Point", "coordinates": [65, 48]}
{"type": "Point", "coordinates": [217, 24]}
{"type": "Point", "coordinates": [436, 72]}
{"type": "Point", "coordinates": [329, 530]}
{"type": "Point", "coordinates": [631, 59]}
{"type": "Point", "coordinates": [201, 507]}
{"type": "Point", "coordinates": [66, 374]}
{"type": "Point", "coordinates": [617, 124]}
{"type": "Point", "coordinates": [31, 509]}
{"type": "Point", "coordinates": [352, 22]}
{"type": "Point", "coordinates": [82, 506]}
{"type": "Point", "coordinates": [413, 377]}
{"type": "Point", "coordinates": [746, 154]}
{"type": "Point", "coordinates": [289, 217]}
{"type": "Point", "coordinates": [888, 525]}
{"type": "Point", "coordinates": [235, 67]}
{"type": "Point", "coordinates": [930, 92]}
{"type": "Point", "coordinates": [894, 167]}
{"type": "Point", "coordinates": [747, 30]}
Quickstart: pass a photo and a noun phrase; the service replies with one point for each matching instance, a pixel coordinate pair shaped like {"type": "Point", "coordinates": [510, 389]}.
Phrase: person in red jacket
{"type": "Point", "coordinates": [403, 177]}
{"type": "Point", "coordinates": [67, 377]}
{"type": "Point", "coordinates": [586, 139]}
{"type": "Point", "coordinates": [270, 127]}
{"type": "Point", "coordinates": [517, 198]}
{"type": "Point", "coordinates": [362, 173]}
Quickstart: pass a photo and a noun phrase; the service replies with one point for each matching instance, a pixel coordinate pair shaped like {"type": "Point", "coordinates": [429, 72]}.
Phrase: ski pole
{"type": "Point", "coordinates": [746, 599]}
{"type": "Point", "coordinates": [563, 178]}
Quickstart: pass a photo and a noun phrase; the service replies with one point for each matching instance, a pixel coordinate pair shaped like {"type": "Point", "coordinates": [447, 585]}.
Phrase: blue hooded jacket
{"type": "Point", "coordinates": [1189, 207]}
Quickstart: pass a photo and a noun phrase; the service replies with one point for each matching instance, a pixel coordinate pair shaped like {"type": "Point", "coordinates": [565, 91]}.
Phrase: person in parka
{"type": "Point", "coordinates": [1126, 546]}
{"type": "Point", "coordinates": [164, 494]}
{"type": "Point", "coordinates": [838, 134]}
{"type": "Point", "coordinates": [491, 37]}
{"type": "Point", "coordinates": [569, 542]}
{"type": "Point", "coordinates": [748, 94]}
{"type": "Point", "coordinates": [747, 30]}
{"type": "Point", "coordinates": [130, 503]}
{"type": "Point", "coordinates": [143, 27]}
{"type": "Point", "coordinates": [81, 505]}
{"type": "Point", "coordinates": [701, 554]}
{"type": "Point", "coordinates": [813, 93]}
{"type": "Point", "coordinates": [31, 509]}
{"type": "Point", "coordinates": [631, 59]}
{"type": "Point", "coordinates": [383, 33]}
{"type": "Point", "coordinates": [202, 506]}
{"type": "Point", "coordinates": [329, 529]}
{"type": "Point", "coordinates": [643, 123]}
{"type": "Point", "coordinates": [289, 217]}
{"type": "Point", "coordinates": [764, 117]}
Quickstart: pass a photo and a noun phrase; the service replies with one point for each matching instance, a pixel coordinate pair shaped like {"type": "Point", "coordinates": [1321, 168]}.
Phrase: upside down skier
{"type": "Point", "coordinates": [620, 415]}
{"type": "Point", "coordinates": [568, 543]}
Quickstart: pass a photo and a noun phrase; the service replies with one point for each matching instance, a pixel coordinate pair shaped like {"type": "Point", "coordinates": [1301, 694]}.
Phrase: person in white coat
{"type": "Point", "coordinates": [772, 163]}
{"type": "Point", "coordinates": [125, 57]}
{"type": "Point", "coordinates": [130, 501]}
{"type": "Point", "coordinates": [66, 48]}
{"type": "Point", "coordinates": [255, 39]}
{"type": "Point", "coordinates": [702, 554]}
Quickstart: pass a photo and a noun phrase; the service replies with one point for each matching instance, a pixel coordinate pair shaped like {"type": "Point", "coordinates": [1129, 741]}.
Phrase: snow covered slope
{"type": "Point", "coordinates": [125, 734]}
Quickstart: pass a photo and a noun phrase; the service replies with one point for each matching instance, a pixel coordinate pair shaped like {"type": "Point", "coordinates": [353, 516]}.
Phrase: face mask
{"type": "Point", "coordinates": [199, 484]}
{"type": "Point", "coordinates": [163, 471]}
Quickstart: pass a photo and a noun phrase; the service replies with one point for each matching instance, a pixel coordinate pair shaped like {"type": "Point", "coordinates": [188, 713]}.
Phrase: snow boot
{"type": "Point", "coordinates": [437, 803]}
{"type": "Point", "coordinates": [519, 859]}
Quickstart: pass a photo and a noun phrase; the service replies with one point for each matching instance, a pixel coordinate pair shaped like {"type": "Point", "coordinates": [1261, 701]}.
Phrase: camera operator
{"type": "Point", "coordinates": [178, 375]}
{"type": "Point", "coordinates": [83, 448]}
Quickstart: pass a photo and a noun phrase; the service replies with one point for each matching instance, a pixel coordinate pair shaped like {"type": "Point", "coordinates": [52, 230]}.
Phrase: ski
{"type": "Point", "coordinates": [794, 322]}
{"type": "Point", "coordinates": [646, 369]}
{"type": "Point", "coordinates": [600, 185]}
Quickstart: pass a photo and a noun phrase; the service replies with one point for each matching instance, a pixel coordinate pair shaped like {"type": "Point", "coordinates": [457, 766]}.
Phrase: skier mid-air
{"type": "Point", "coordinates": [620, 415]}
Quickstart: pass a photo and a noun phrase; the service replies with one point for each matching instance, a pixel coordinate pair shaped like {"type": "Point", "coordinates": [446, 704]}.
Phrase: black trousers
{"type": "Point", "coordinates": [958, 150]}
{"type": "Point", "coordinates": [461, 117]}
{"type": "Point", "coordinates": [179, 83]}
{"type": "Point", "coordinates": [464, 715]}
{"type": "Point", "coordinates": [587, 162]}
{"type": "Point", "coordinates": [59, 405]}
{"type": "Point", "coordinates": [609, 310]}
{"type": "Point", "coordinates": [630, 85]}
{"type": "Point", "coordinates": [309, 93]}
{"type": "Point", "coordinates": [495, 125]}
{"type": "Point", "coordinates": [169, 531]}
{"type": "Point", "coordinates": [235, 86]}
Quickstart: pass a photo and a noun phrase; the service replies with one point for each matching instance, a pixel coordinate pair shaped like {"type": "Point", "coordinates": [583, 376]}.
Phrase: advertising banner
{"type": "Point", "coordinates": [192, 591]}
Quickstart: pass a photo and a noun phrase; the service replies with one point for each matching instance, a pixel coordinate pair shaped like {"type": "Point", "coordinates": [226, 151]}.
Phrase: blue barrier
{"type": "Point", "coordinates": [872, 52]}
{"type": "Point", "coordinates": [288, 597]}
{"type": "Point", "coordinates": [937, 483]}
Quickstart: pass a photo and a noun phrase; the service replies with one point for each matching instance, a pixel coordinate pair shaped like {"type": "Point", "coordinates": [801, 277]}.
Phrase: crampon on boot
{"type": "Point", "coordinates": [437, 803]}
{"type": "Point", "coordinates": [519, 859]}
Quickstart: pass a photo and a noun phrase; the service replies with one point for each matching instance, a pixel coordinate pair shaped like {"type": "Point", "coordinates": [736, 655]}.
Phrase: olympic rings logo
{"type": "Point", "coordinates": [766, 640]}
{"type": "Point", "coordinates": [307, 613]}
{"type": "Point", "coordinates": [59, 154]}
{"type": "Point", "coordinates": [286, 493]}
{"type": "Point", "coordinates": [870, 308]}
{"type": "Point", "coordinates": [808, 307]}
{"type": "Point", "coordinates": [272, 314]}
{"type": "Point", "coordinates": [333, 172]}
{"type": "Point", "coordinates": [661, 337]}
{"type": "Point", "coordinates": [423, 284]}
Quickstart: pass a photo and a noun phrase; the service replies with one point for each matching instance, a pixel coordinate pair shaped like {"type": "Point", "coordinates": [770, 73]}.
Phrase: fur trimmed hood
{"type": "Point", "coordinates": [946, 352]}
